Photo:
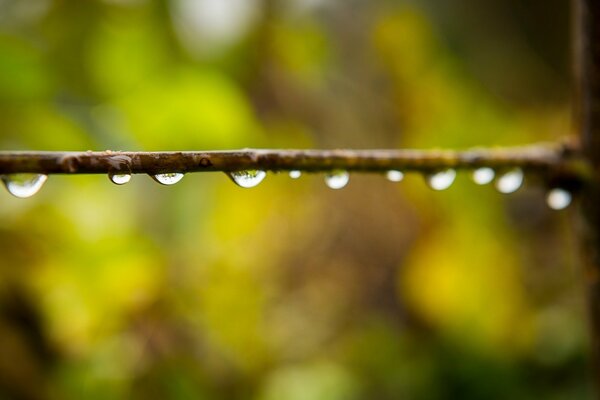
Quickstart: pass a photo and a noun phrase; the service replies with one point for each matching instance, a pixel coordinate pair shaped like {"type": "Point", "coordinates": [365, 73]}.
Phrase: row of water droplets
{"type": "Point", "coordinates": [509, 182]}
{"type": "Point", "coordinates": [26, 185]}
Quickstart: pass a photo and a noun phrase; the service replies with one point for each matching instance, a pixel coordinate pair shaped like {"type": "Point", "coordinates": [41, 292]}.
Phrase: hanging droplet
{"type": "Point", "coordinates": [295, 174]}
{"type": "Point", "coordinates": [119, 179]}
{"type": "Point", "coordinates": [169, 178]}
{"type": "Point", "coordinates": [24, 185]}
{"type": "Point", "coordinates": [337, 179]}
{"type": "Point", "coordinates": [559, 199]}
{"type": "Point", "coordinates": [441, 180]}
{"type": "Point", "coordinates": [394, 175]}
{"type": "Point", "coordinates": [510, 182]}
{"type": "Point", "coordinates": [483, 176]}
{"type": "Point", "coordinates": [249, 178]}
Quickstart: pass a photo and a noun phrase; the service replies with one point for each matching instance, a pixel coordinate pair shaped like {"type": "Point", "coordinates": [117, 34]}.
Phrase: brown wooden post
{"type": "Point", "coordinates": [587, 62]}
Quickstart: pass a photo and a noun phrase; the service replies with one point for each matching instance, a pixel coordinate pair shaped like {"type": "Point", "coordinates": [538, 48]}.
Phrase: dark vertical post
{"type": "Point", "coordinates": [587, 61]}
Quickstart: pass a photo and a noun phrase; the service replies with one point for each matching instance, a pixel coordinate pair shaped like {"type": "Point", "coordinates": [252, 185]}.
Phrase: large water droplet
{"type": "Point", "coordinates": [510, 182]}
{"type": "Point", "coordinates": [169, 178]}
{"type": "Point", "coordinates": [119, 179]}
{"type": "Point", "coordinates": [394, 175]}
{"type": "Point", "coordinates": [483, 176]}
{"type": "Point", "coordinates": [295, 174]}
{"type": "Point", "coordinates": [249, 178]}
{"type": "Point", "coordinates": [441, 180]}
{"type": "Point", "coordinates": [559, 199]}
{"type": "Point", "coordinates": [337, 179]}
{"type": "Point", "coordinates": [24, 185]}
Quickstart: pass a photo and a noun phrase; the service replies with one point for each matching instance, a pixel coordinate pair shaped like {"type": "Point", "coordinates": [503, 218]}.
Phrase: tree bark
{"type": "Point", "coordinates": [587, 61]}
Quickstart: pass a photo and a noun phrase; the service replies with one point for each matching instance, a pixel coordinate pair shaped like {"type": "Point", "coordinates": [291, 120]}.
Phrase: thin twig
{"type": "Point", "coordinates": [546, 157]}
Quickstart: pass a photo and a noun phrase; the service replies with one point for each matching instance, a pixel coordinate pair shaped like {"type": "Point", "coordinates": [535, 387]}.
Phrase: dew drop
{"type": "Point", "coordinates": [441, 180]}
{"type": "Point", "coordinates": [248, 178]}
{"type": "Point", "coordinates": [394, 175]}
{"type": "Point", "coordinates": [559, 199]}
{"type": "Point", "coordinates": [169, 178]}
{"type": "Point", "coordinates": [510, 182]}
{"type": "Point", "coordinates": [119, 179]}
{"type": "Point", "coordinates": [483, 176]}
{"type": "Point", "coordinates": [295, 174]}
{"type": "Point", "coordinates": [24, 185]}
{"type": "Point", "coordinates": [337, 179]}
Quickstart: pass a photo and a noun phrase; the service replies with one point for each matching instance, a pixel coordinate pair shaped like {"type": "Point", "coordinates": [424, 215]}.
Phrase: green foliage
{"type": "Point", "coordinates": [290, 290]}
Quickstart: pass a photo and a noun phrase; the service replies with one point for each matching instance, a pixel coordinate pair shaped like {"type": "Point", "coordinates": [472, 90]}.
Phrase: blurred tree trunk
{"type": "Point", "coordinates": [587, 45]}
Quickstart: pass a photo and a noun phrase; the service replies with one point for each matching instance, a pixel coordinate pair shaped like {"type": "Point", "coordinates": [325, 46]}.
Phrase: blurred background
{"type": "Point", "coordinates": [290, 290]}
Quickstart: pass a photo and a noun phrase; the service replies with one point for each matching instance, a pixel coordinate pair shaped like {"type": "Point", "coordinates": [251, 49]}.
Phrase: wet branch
{"type": "Point", "coordinates": [544, 157]}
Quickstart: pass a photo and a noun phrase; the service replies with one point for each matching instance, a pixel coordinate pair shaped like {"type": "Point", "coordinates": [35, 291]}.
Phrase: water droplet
{"type": "Point", "coordinates": [295, 174]}
{"type": "Point", "coordinates": [510, 182]}
{"type": "Point", "coordinates": [441, 180]}
{"type": "Point", "coordinates": [24, 185]}
{"type": "Point", "coordinates": [119, 179]}
{"type": "Point", "coordinates": [337, 179]}
{"type": "Point", "coordinates": [394, 176]}
{"type": "Point", "coordinates": [483, 176]}
{"type": "Point", "coordinates": [559, 199]}
{"type": "Point", "coordinates": [169, 178]}
{"type": "Point", "coordinates": [249, 178]}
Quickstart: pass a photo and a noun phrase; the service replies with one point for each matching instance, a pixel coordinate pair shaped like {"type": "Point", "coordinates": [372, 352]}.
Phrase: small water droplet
{"type": "Point", "coordinates": [24, 185]}
{"type": "Point", "coordinates": [483, 176]}
{"type": "Point", "coordinates": [394, 175]}
{"type": "Point", "coordinates": [295, 174]}
{"type": "Point", "coordinates": [510, 181]}
{"type": "Point", "coordinates": [337, 179]}
{"type": "Point", "coordinates": [441, 180]}
{"type": "Point", "coordinates": [170, 178]}
{"type": "Point", "coordinates": [249, 178]}
{"type": "Point", "coordinates": [119, 179]}
{"type": "Point", "coordinates": [559, 199]}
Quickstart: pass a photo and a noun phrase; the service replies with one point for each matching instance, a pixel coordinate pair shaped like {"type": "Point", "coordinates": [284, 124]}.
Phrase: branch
{"type": "Point", "coordinates": [541, 157]}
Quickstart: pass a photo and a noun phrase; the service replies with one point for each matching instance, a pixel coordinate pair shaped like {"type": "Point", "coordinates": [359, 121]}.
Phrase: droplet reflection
{"type": "Point", "coordinates": [169, 178]}
{"type": "Point", "coordinates": [247, 179]}
{"type": "Point", "coordinates": [441, 180]}
{"type": "Point", "coordinates": [119, 179]}
{"type": "Point", "coordinates": [295, 174]}
{"type": "Point", "coordinates": [337, 179]}
{"type": "Point", "coordinates": [394, 175]}
{"type": "Point", "coordinates": [559, 199]}
{"type": "Point", "coordinates": [24, 185]}
{"type": "Point", "coordinates": [510, 182]}
{"type": "Point", "coordinates": [483, 176]}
